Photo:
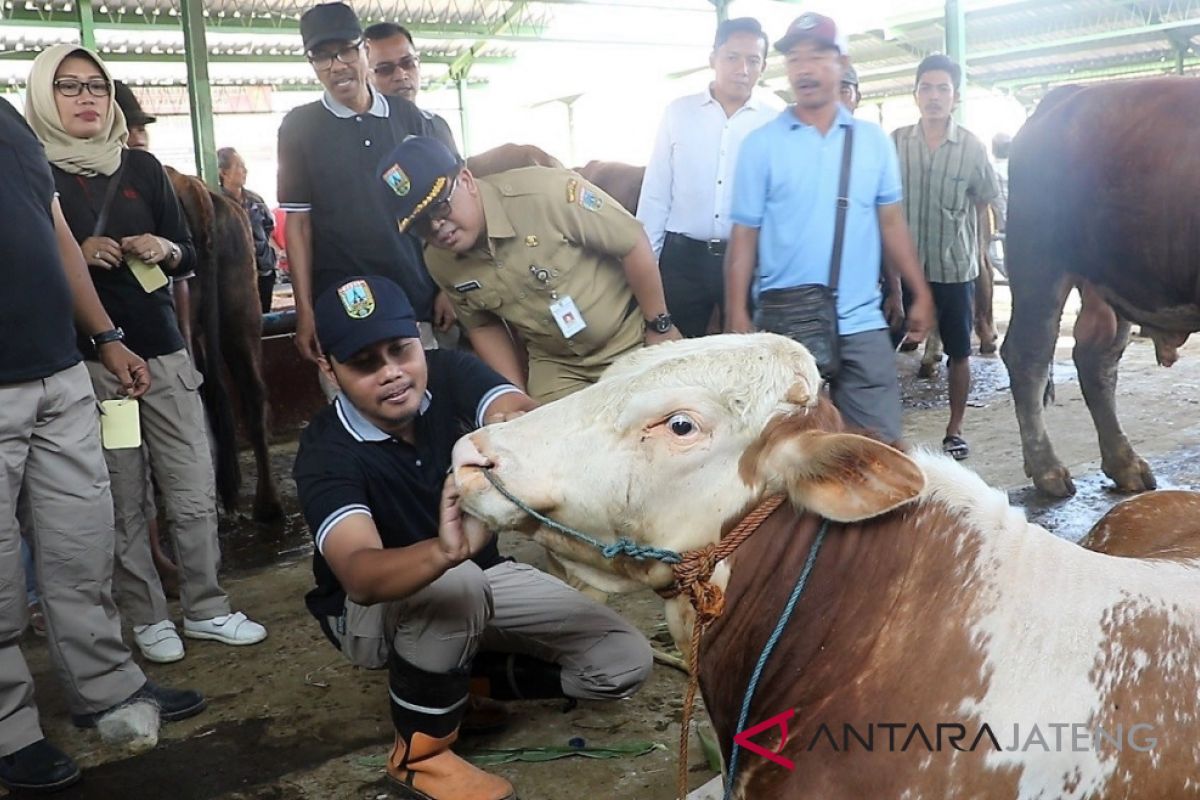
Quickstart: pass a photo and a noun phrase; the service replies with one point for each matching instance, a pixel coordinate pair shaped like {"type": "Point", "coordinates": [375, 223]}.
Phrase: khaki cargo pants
{"type": "Point", "coordinates": [51, 459]}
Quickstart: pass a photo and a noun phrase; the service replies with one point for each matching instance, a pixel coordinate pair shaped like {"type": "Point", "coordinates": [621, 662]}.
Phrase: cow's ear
{"type": "Point", "coordinates": [844, 477]}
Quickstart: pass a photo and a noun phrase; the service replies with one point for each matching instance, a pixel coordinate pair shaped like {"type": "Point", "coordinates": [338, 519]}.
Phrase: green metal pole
{"type": "Point", "coordinates": [195, 46]}
{"type": "Point", "coordinates": [461, 85]}
{"type": "Point", "coordinates": [87, 24]}
{"type": "Point", "coordinates": [722, 10]}
{"type": "Point", "coordinates": [956, 46]}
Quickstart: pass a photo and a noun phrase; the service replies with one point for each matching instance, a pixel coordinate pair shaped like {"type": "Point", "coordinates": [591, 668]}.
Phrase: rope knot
{"type": "Point", "coordinates": [709, 602]}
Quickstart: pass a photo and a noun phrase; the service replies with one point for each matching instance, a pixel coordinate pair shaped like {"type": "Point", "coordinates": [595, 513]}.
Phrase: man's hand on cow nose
{"type": "Point", "coordinates": [460, 536]}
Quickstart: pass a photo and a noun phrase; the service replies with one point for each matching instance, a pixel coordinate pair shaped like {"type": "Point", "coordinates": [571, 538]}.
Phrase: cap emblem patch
{"type": "Point", "coordinates": [357, 299]}
{"type": "Point", "coordinates": [398, 180]}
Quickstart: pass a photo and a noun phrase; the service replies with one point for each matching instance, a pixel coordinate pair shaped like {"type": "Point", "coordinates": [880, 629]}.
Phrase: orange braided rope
{"type": "Point", "coordinates": [692, 578]}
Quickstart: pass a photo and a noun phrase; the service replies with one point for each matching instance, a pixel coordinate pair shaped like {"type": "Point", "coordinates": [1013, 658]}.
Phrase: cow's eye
{"type": "Point", "coordinates": [681, 425]}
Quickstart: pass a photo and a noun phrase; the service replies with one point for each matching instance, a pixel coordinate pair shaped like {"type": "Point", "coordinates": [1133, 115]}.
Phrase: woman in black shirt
{"type": "Point", "coordinates": [128, 221]}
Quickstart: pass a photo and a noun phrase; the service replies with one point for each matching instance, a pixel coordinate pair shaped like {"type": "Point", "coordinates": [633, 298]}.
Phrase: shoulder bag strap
{"type": "Point", "coordinates": [843, 204]}
{"type": "Point", "coordinates": [109, 194]}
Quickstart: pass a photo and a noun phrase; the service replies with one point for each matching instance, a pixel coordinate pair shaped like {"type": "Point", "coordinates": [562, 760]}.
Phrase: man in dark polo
{"type": "Point", "coordinates": [328, 151]}
{"type": "Point", "coordinates": [404, 579]}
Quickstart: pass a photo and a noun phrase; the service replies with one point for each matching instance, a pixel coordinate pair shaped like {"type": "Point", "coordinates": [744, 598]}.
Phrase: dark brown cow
{"type": "Point", "coordinates": [1104, 194]}
{"type": "Point", "coordinates": [621, 182]}
{"type": "Point", "coordinates": [227, 328]}
{"type": "Point", "coordinates": [510, 156]}
{"type": "Point", "coordinates": [943, 647]}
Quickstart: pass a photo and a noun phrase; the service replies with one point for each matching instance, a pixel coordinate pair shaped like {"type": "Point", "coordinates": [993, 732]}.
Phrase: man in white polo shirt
{"type": "Point", "coordinates": [686, 194]}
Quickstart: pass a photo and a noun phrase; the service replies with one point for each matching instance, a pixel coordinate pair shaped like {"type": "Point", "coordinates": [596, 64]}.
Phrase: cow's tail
{"type": "Point", "coordinates": [206, 344]}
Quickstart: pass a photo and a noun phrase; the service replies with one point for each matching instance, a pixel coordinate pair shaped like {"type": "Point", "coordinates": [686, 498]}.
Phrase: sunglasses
{"type": "Point", "coordinates": [385, 69]}
{"type": "Point", "coordinates": [347, 55]}
{"type": "Point", "coordinates": [423, 225]}
{"type": "Point", "coordinates": [71, 87]}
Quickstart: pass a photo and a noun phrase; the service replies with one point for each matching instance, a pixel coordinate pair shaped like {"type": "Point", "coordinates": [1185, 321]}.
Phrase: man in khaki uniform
{"type": "Point", "coordinates": [536, 250]}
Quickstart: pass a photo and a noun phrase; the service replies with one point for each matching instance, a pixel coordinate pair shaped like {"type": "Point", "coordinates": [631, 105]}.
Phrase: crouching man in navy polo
{"type": "Point", "coordinates": [404, 578]}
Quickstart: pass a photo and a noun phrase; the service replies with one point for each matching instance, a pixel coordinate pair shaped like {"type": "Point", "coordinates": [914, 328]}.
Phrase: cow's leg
{"type": "Point", "coordinates": [932, 356]}
{"type": "Point", "coordinates": [243, 357]}
{"type": "Point", "coordinates": [1100, 340]}
{"type": "Point", "coordinates": [985, 324]}
{"type": "Point", "coordinates": [1027, 351]}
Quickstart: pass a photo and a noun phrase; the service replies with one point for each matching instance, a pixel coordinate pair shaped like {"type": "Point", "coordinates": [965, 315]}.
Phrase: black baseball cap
{"type": "Point", "coordinates": [329, 22]}
{"type": "Point", "coordinates": [850, 76]}
{"type": "Point", "coordinates": [129, 105]}
{"type": "Point", "coordinates": [361, 311]}
{"type": "Point", "coordinates": [419, 171]}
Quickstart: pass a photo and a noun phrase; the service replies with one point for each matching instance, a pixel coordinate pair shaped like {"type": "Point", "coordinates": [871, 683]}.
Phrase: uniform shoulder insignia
{"type": "Point", "coordinates": [572, 190]}
{"type": "Point", "coordinates": [590, 199]}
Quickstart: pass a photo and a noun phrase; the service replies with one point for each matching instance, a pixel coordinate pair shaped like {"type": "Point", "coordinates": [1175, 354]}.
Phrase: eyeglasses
{"type": "Point", "coordinates": [347, 55]}
{"type": "Point", "coordinates": [386, 68]}
{"type": "Point", "coordinates": [423, 225]}
{"type": "Point", "coordinates": [71, 87]}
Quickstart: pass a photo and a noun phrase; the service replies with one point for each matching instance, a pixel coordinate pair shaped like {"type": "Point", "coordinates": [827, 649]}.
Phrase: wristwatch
{"type": "Point", "coordinates": [660, 324]}
{"type": "Point", "coordinates": [107, 337]}
{"type": "Point", "coordinates": [174, 254]}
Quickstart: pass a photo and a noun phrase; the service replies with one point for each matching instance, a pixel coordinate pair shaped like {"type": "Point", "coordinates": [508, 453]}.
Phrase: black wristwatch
{"type": "Point", "coordinates": [108, 336]}
{"type": "Point", "coordinates": [660, 324]}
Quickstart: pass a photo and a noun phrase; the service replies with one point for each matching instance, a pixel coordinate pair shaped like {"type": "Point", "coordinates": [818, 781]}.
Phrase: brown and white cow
{"type": "Point", "coordinates": [1104, 194]}
{"type": "Point", "coordinates": [933, 604]}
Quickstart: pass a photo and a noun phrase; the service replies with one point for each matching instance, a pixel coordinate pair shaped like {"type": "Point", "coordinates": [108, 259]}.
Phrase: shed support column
{"type": "Point", "coordinates": [956, 46]}
{"type": "Point", "coordinates": [460, 84]}
{"type": "Point", "coordinates": [195, 46]}
{"type": "Point", "coordinates": [722, 7]}
{"type": "Point", "coordinates": [87, 24]}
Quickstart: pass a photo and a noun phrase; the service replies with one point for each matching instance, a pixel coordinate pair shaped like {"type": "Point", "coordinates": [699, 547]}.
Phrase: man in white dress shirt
{"type": "Point", "coordinates": [688, 187]}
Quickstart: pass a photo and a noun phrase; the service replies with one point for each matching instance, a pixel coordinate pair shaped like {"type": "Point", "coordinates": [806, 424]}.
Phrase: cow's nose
{"type": "Point", "coordinates": [468, 452]}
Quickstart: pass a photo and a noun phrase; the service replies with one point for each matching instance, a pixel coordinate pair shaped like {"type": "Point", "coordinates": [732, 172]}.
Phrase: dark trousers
{"type": "Point", "coordinates": [266, 290]}
{"type": "Point", "coordinates": [693, 281]}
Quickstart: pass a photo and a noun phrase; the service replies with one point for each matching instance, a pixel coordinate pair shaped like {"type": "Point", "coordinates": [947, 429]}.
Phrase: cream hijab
{"type": "Point", "coordinates": [99, 155]}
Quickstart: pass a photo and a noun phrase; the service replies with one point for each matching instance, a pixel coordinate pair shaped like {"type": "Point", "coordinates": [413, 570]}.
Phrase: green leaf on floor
{"type": "Point", "coordinates": [507, 755]}
{"type": "Point", "coordinates": [491, 757]}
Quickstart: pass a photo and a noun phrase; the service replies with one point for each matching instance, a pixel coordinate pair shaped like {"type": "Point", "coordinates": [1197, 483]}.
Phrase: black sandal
{"type": "Point", "coordinates": [956, 447]}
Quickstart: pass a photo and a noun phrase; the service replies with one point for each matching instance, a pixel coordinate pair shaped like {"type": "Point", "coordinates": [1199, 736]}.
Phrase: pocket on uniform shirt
{"type": "Point", "coordinates": [482, 299]}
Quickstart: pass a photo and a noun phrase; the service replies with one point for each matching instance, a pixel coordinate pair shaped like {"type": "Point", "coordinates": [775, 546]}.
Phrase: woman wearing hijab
{"type": "Point", "coordinates": [120, 206]}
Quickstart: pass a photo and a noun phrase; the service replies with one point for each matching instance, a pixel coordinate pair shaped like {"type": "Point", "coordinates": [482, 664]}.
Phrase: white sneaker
{"type": "Point", "coordinates": [159, 642]}
{"type": "Point", "coordinates": [235, 629]}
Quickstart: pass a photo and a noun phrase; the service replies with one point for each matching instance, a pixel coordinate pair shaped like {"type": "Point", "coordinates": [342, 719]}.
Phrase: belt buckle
{"type": "Point", "coordinates": [716, 247]}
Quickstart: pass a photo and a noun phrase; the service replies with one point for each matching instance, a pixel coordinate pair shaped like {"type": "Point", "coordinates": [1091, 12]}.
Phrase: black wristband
{"type": "Point", "coordinates": [107, 337]}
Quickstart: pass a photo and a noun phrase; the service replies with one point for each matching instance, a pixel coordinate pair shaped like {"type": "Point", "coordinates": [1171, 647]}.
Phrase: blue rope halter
{"type": "Point", "coordinates": [773, 640]}
{"type": "Point", "coordinates": [623, 546]}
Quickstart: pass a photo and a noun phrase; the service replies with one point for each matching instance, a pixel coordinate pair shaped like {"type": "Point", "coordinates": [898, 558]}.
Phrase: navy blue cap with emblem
{"type": "Point", "coordinates": [361, 311]}
{"type": "Point", "coordinates": [418, 172]}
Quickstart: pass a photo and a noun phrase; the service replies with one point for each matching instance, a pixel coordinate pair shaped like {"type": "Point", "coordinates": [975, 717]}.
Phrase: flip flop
{"type": "Point", "coordinates": [956, 447]}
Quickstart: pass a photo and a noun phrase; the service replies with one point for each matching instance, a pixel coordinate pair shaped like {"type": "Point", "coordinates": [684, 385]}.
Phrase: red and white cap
{"type": "Point", "coordinates": [816, 27]}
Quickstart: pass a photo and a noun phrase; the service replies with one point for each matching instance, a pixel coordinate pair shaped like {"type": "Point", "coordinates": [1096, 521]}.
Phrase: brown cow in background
{"type": "Point", "coordinates": [227, 328]}
{"type": "Point", "coordinates": [1104, 187]}
{"type": "Point", "coordinates": [621, 182]}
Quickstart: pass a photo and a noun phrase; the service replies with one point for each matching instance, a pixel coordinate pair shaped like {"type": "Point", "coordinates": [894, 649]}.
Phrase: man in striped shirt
{"type": "Point", "coordinates": [948, 185]}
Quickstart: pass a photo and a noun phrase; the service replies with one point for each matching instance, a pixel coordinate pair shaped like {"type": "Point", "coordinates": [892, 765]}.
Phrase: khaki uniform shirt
{"type": "Point", "coordinates": [550, 235]}
{"type": "Point", "coordinates": [940, 192]}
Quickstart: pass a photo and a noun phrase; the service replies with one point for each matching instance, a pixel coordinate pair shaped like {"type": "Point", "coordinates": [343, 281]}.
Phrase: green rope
{"type": "Point", "coordinates": [623, 546]}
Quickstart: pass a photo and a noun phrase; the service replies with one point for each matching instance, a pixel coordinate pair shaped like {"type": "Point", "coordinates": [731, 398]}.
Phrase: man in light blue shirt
{"type": "Point", "coordinates": [784, 212]}
{"type": "Point", "coordinates": [688, 187]}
